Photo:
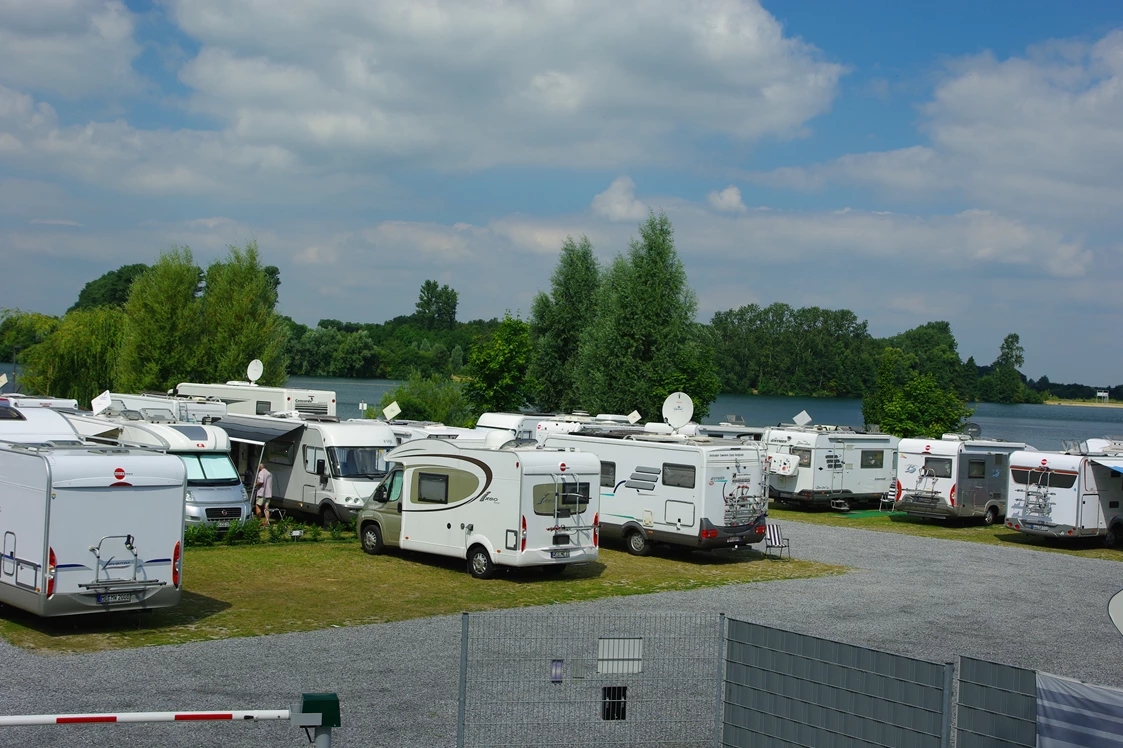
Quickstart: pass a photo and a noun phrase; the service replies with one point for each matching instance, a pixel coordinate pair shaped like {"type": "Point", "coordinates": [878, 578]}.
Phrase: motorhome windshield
{"type": "Point", "coordinates": [210, 469]}
{"type": "Point", "coordinates": [358, 462]}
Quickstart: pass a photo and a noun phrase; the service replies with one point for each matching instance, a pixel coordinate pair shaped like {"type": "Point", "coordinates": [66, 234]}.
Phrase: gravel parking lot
{"type": "Point", "coordinates": [926, 598]}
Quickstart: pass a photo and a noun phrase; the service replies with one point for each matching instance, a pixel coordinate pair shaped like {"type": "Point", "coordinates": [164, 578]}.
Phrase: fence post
{"type": "Point", "coordinates": [945, 730]}
{"type": "Point", "coordinates": [718, 696]}
{"type": "Point", "coordinates": [463, 680]}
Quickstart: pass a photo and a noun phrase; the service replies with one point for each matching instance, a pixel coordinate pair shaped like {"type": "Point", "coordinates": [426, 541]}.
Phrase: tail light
{"type": "Point", "coordinates": [51, 564]}
{"type": "Point", "coordinates": [951, 496]}
{"type": "Point", "coordinates": [596, 530]}
{"type": "Point", "coordinates": [177, 564]}
{"type": "Point", "coordinates": [522, 545]}
{"type": "Point", "coordinates": [898, 490]}
{"type": "Point", "coordinates": [706, 534]}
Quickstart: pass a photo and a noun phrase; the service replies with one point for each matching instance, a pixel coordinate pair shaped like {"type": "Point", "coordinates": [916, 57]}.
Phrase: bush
{"type": "Point", "coordinates": [203, 534]}
{"type": "Point", "coordinates": [246, 531]}
{"type": "Point", "coordinates": [336, 531]}
{"type": "Point", "coordinates": [315, 533]}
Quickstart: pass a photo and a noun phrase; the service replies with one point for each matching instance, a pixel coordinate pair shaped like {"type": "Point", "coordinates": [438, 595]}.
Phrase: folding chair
{"type": "Point", "coordinates": [774, 539]}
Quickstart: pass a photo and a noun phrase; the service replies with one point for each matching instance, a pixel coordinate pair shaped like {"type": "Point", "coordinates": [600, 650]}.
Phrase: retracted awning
{"type": "Point", "coordinates": [1111, 463]}
{"type": "Point", "coordinates": [257, 429]}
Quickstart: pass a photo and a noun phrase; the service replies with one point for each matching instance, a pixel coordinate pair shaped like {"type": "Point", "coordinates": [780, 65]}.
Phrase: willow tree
{"type": "Point", "coordinates": [79, 358]}
{"type": "Point", "coordinates": [643, 342]}
{"type": "Point", "coordinates": [557, 321]}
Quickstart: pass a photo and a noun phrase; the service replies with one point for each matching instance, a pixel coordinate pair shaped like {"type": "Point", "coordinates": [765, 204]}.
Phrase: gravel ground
{"type": "Point", "coordinates": [397, 683]}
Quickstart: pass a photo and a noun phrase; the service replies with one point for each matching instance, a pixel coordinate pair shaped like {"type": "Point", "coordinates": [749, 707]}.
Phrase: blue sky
{"type": "Point", "coordinates": [908, 161]}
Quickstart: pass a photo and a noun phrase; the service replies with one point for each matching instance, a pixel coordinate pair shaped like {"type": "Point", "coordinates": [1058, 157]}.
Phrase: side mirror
{"type": "Point", "coordinates": [321, 468]}
{"type": "Point", "coordinates": [380, 494]}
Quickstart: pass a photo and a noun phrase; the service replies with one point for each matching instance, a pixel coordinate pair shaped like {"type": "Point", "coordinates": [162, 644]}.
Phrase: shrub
{"type": "Point", "coordinates": [315, 533]}
{"type": "Point", "coordinates": [203, 534]}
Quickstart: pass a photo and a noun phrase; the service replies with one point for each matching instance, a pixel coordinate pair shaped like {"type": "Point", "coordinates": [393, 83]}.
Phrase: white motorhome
{"type": "Point", "coordinates": [166, 409]}
{"type": "Point", "coordinates": [521, 426]}
{"type": "Point", "coordinates": [252, 399]}
{"type": "Point", "coordinates": [511, 506]}
{"type": "Point", "coordinates": [29, 401]}
{"type": "Point", "coordinates": [956, 476]}
{"type": "Point", "coordinates": [1071, 494]}
{"type": "Point", "coordinates": [405, 430]}
{"type": "Point", "coordinates": [215, 494]}
{"type": "Point", "coordinates": [320, 466]}
{"type": "Point", "coordinates": [696, 492]}
{"type": "Point", "coordinates": [85, 527]}
{"type": "Point", "coordinates": [836, 466]}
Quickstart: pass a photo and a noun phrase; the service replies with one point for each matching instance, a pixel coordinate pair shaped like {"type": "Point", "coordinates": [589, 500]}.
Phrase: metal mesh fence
{"type": "Point", "coordinates": [997, 705]}
{"type": "Point", "coordinates": [589, 679]}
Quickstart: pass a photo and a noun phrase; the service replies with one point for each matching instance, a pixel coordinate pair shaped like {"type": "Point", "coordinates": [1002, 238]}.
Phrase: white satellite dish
{"type": "Point", "coordinates": [253, 371]}
{"type": "Point", "coordinates": [101, 402]}
{"type": "Point", "coordinates": [391, 411]}
{"type": "Point", "coordinates": [634, 416]}
{"type": "Point", "coordinates": [802, 419]}
{"type": "Point", "coordinates": [678, 409]}
{"type": "Point", "coordinates": [3, 379]}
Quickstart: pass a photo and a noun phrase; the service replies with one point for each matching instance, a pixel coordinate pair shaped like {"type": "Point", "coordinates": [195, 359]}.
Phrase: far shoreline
{"type": "Point", "coordinates": [1084, 404]}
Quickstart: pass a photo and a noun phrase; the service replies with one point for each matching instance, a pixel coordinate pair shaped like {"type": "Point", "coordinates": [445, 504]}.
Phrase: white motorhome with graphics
{"type": "Point", "coordinates": [250, 399]}
{"type": "Point", "coordinates": [511, 506]}
{"type": "Point", "coordinates": [836, 466]}
{"type": "Point", "coordinates": [320, 466]}
{"type": "Point", "coordinates": [85, 527]}
{"type": "Point", "coordinates": [696, 492]}
{"type": "Point", "coordinates": [1071, 494]}
{"type": "Point", "coordinates": [956, 476]}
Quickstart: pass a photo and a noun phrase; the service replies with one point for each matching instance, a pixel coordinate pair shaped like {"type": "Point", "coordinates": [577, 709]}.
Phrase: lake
{"type": "Point", "coordinates": [1043, 426]}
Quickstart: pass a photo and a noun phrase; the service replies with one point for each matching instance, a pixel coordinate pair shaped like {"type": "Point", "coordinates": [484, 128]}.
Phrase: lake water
{"type": "Point", "coordinates": [1043, 426]}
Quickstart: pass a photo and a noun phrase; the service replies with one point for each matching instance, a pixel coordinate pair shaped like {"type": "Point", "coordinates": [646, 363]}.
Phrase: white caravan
{"type": "Point", "coordinates": [29, 401]}
{"type": "Point", "coordinates": [86, 528]}
{"type": "Point", "coordinates": [512, 506]}
{"type": "Point", "coordinates": [251, 399]}
{"type": "Point", "coordinates": [954, 476]}
{"type": "Point", "coordinates": [215, 493]}
{"type": "Point", "coordinates": [1073, 494]}
{"type": "Point", "coordinates": [836, 466]}
{"type": "Point", "coordinates": [166, 409]}
{"type": "Point", "coordinates": [320, 466]}
{"type": "Point", "coordinates": [696, 492]}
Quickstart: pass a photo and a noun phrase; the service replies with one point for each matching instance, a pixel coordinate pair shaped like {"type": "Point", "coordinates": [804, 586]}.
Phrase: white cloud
{"type": "Point", "coordinates": [727, 200]}
{"type": "Point", "coordinates": [430, 239]}
{"type": "Point", "coordinates": [55, 222]}
{"type": "Point", "coordinates": [618, 202]}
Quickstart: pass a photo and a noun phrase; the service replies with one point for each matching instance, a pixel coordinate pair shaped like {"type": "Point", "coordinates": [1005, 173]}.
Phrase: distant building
{"type": "Point", "coordinates": [1101, 396]}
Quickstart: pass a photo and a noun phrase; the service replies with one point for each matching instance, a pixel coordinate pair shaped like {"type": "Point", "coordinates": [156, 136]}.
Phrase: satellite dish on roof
{"type": "Point", "coordinates": [802, 418]}
{"type": "Point", "coordinates": [972, 430]}
{"type": "Point", "coordinates": [678, 409]}
{"type": "Point", "coordinates": [253, 371]}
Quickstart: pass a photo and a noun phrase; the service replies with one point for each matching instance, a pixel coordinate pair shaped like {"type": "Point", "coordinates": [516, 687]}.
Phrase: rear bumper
{"type": "Point", "coordinates": [923, 507]}
{"type": "Point", "coordinates": [822, 498]}
{"type": "Point", "coordinates": [75, 603]}
{"type": "Point", "coordinates": [1042, 529]}
{"type": "Point", "coordinates": [541, 556]}
{"type": "Point", "coordinates": [727, 537]}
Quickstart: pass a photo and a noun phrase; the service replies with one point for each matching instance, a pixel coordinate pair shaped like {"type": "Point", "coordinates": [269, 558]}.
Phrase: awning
{"type": "Point", "coordinates": [1111, 463]}
{"type": "Point", "coordinates": [258, 429]}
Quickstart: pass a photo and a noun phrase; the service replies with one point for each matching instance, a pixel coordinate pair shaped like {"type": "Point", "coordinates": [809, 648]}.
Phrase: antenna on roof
{"type": "Point", "coordinates": [254, 370]}
{"type": "Point", "coordinates": [972, 429]}
{"type": "Point", "coordinates": [802, 418]}
{"type": "Point", "coordinates": [678, 409]}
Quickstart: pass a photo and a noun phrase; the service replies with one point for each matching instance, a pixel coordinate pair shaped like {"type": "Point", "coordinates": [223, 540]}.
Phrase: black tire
{"type": "Point", "coordinates": [371, 538]}
{"type": "Point", "coordinates": [1111, 537]}
{"type": "Point", "coordinates": [479, 563]}
{"type": "Point", "coordinates": [328, 517]}
{"type": "Point", "coordinates": [991, 517]}
{"type": "Point", "coordinates": [638, 544]}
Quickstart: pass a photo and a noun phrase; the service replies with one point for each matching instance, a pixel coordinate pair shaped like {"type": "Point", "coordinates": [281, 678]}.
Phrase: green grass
{"type": "Point", "coordinates": [278, 588]}
{"type": "Point", "coordinates": [974, 530]}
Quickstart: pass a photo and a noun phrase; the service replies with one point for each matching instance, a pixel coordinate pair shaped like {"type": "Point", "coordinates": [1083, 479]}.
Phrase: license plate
{"type": "Point", "coordinates": [559, 554]}
{"type": "Point", "coordinates": [115, 597]}
{"type": "Point", "coordinates": [737, 539]}
{"type": "Point", "coordinates": [223, 523]}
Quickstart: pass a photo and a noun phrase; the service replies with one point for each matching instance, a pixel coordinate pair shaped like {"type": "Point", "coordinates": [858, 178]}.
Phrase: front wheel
{"type": "Point", "coordinates": [328, 518]}
{"type": "Point", "coordinates": [991, 517]}
{"type": "Point", "coordinates": [479, 563]}
{"type": "Point", "coordinates": [638, 544]}
{"type": "Point", "coordinates": [372, 539]}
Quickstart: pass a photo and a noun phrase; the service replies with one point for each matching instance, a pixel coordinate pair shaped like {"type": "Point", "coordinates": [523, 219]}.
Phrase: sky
{"type": "Point", "coordinates": [956, 161]}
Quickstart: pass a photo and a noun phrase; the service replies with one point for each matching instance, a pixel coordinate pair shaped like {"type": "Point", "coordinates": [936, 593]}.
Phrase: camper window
{"type": "Point", "coordinates": [432, 488]}
{"type": "Point", "coordinates": [263, 407]}
{"type": "Point", "coordinates": [570, 498]}
{"type": "Point", "coordinates": [804, 457]}
{"type": "Point", "coordinates": [358, 462]}
{"type": "Point", "coordinates": [977, 469]}
{"type": "Point", "coordinates": [282, 453]}
{"type": "Point", "coordinates": [608, 474]}
{"type": "Point", "coordinates": [311, 456]}
{"type": "Point", "coordinates": [678, 475]}
{"type": "Point", "coordinates": [938, 467]}
{"type": "Point", "coordinates": [873, 458]}
{"type": "Point", "coordinates": [1048, 478]}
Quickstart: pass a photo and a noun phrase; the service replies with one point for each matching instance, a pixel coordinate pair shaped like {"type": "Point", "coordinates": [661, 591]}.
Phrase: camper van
{"type": "Point", "coordinates": [1072, 494]}
{"type": "Point", "coordinates": [251, 399]}
{"type": "Point", "coordinates": [215, 494]}
{"type": "Point", "coordinates": [520, 426]}
{"type": "Point", "coordinates": [956, 476]}
{"type": "Point", "coordinates": [511, 506]}
{"type": "Point", "coordinates": [85, 527]}
{"type": "Point", "coordinates": [320, 466]}
{"type": "Point", "coordinates": [830, 466]}
{"type": "Point", "coordinates": [696, 492]}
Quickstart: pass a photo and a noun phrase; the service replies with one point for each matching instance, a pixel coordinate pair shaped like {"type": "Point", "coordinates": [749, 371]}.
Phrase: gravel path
{"type": "Point", "coordinates": [397, 682]}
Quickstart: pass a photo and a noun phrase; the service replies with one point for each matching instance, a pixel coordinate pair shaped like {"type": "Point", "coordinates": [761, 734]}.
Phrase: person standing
{"type": "Point", "coordinates": [263, 492]}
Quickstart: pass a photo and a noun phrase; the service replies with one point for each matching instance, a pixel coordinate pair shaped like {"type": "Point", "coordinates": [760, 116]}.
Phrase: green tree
{"type": "Point", "coordinates": [1011, 353]}
{"type": "Point", "coordinates": [498, 378]}
{"type": "Point", "coordinates": [907, 403]}
{"type": "Point", "coordinates": [1004, 383]}
{"type": "Point", "coordinates": [111, 289]}
{"type": "Point", "coordinates": [239, 318]}
{"type": "Point", "coordinates": [557, 321]}
{"type": "Point", "coordinates": [79, 358]}
{"type": "Point", "coordinates": [643, 343]}
{"type": "Point", "coordinates": [163, 331]}
{"type": "Point", "coordinates": [429, 399]}
{"type": "Point", "coordinates": [20, 330]}
{"type": "Point", "coordinates": [436, 306]}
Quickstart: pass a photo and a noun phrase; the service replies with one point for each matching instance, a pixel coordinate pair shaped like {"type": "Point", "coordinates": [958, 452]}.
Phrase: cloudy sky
{"type": "Point", "coordinates": [954, 160]}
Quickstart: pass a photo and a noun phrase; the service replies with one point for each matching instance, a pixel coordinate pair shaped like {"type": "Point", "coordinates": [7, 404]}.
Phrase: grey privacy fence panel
{"type": "Point", "coordinates": [997, 705]}
{"type": "Point", "coordinates": [787, 689]}
{"type": "Point", "coordinates": [533, 678]}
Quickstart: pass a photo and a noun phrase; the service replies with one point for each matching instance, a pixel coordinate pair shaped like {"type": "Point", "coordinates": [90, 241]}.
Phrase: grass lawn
{"type": "Point", "coordinates": [303, 586]}
{"type": "Point", "coordinates": [974, 531]}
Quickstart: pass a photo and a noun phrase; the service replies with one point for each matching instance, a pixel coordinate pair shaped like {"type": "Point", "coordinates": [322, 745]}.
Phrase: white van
{"type": "Point", "coordinates": [85, 527]}
{"type": "Point", "coordinates": [836, 466]}
{"type": "Point", "coordinates": [954, 476]}
{"type": "Point", "coordinates": [696, 492]}
{"type": "Point", "coordinates": [252, 399]}
{"type": "Point", "coordinates": [1074, 494]}
{"type": "Point", "coordinates": [512, 506]}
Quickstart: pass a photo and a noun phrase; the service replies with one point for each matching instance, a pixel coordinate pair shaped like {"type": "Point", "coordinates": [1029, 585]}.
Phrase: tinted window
{"type": "Point", "coordinates": [873, 458]}
{"type": "Point", "coordinates": [358, 462]}
{"type": "Point", "coordinates": [804, 456]}
{"type": "Point", "coordinates": [432, 488]}
{"type": "Point", "coordinates": [939, 467]}
{"type": "Point", "coordinates": [311, 454]}
{"type": "Point", "coordinates": [1043, 478]}
{"type": "Point", "coordinates": [262, 407]}
{"type": "Point", "coordinates": [608, 474]}
{"type": "Point", "coordinates": [678, 475]}
{"type": "Point", "coordinates": [568, 498]}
